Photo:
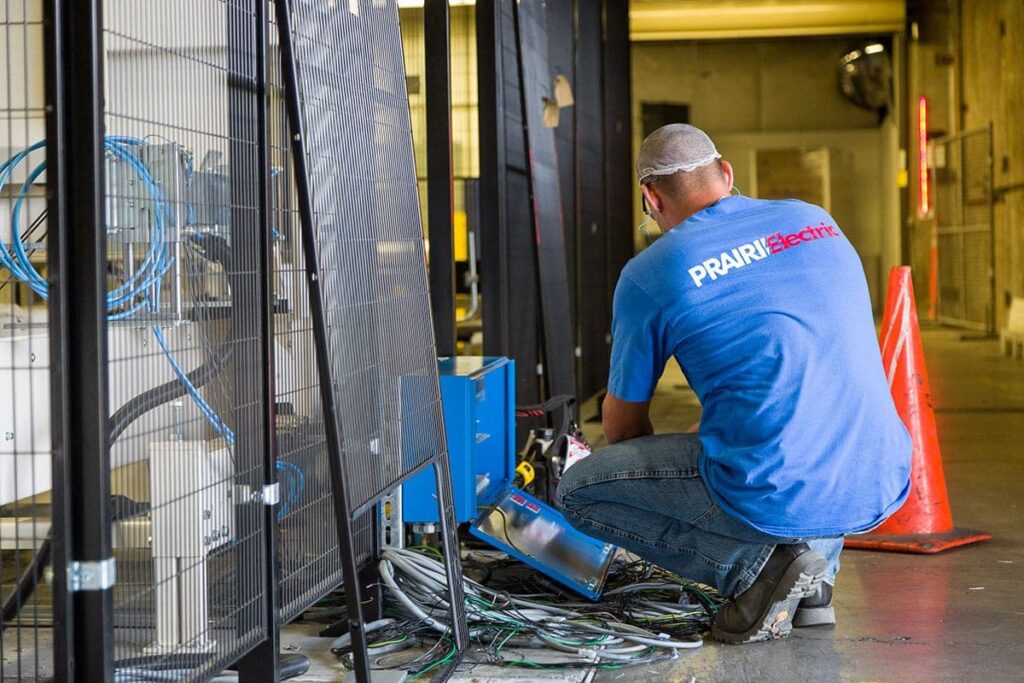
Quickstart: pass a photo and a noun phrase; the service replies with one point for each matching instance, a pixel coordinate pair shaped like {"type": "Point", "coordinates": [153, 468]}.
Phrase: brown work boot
{"type": "Point", "coordinates": [765, 610]}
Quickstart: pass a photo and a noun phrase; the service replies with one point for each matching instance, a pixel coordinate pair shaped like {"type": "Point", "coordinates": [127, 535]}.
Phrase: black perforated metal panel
{"type": "Point", "coordinates": [592, 228]}
{"type": "Point", "coordinates": [356, 193]}
{"type": "Point", "coordinates": [363, 182]}
{"type": "Point", "coordinates": [546, 197]}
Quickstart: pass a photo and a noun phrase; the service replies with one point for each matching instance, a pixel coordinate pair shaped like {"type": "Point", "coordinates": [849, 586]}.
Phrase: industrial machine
{"type": "Point", "coordinates": [170, 339]}
{"type": "Point", "coordinates": [478, 397]}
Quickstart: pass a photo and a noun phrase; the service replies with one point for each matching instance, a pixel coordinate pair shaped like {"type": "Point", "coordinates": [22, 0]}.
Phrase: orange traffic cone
{"type": "Point", "coordinates": [925, 523]}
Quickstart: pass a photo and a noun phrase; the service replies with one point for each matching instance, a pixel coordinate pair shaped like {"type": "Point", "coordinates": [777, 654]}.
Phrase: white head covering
{"type": "Point", "coordinates": [672, 148]}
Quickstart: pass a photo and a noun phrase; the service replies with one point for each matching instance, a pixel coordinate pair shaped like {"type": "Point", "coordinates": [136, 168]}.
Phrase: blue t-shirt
{"type": "Point", "coordinates": [765, 307]}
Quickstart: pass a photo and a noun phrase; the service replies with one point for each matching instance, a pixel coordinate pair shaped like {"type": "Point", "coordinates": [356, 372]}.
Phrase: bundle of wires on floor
{"type": "Point", "coordinates": [646, 615]}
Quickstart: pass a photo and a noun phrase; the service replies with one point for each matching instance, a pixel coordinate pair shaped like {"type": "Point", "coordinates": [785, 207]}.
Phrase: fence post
{"type": "Point", "coordinates": [250, 34]}
{"type": "Point", "coordinates": [84, 570]}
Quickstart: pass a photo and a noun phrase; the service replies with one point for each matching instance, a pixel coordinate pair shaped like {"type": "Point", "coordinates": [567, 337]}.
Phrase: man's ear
{"type": "Point", "coordinates": [653, 200]}
{"type": "Point", "coordinates": [727, 170]}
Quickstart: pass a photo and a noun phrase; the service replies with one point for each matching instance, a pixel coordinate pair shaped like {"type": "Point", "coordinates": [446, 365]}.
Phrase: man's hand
{"type": "Point", "coordinates": [625, 419]}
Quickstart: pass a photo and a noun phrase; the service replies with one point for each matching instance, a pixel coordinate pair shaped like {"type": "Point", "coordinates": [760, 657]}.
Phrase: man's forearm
{"type": "Point", "coordinates": [614, 434]}
{"type": "Point", "coordinates": [623, 420]}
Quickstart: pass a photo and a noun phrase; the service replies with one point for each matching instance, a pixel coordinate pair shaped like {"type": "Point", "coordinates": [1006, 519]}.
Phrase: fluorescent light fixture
{"type": "Point", "coordinates": [874, 48]}
{"type": "Point", "coordinates": [404, 4]}
{"type": "Point", "coordinates": [924, 204]}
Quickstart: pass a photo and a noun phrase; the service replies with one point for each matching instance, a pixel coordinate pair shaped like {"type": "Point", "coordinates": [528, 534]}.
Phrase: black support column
{"type": "Point", "coordinates": [618, 139]}
{"type": "Point", "coordinates": [594, 313]}
{"type": "Point", "coordinates": [77, 249]}
{"type": "Point", "coordinates": [248, 108]}
{"type": "Point", "coordinates": [495, 280]}
{"type": "Point", "coordinates": [440, 206]}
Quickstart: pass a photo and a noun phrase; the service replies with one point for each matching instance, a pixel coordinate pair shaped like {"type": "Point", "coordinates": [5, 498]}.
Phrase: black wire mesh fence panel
{"type": "Point", "coordinates": [350, 130]}
{"type": "Point", "coordinates": [182, 180]}
{"type": "Point", "coordinates": [181, 183]}
{"type": "Point", "coordinates": [369, 243]}
{"type": "Point", "coordinates": [963, 218]}
{"type": "Point", "coordinates": [25, 437]}
{"type": "Point", "coordinates": [308, 540]}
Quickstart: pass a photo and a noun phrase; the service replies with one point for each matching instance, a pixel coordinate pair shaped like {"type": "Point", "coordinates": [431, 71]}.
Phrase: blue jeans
{"type": "Point", "coordinates": [646, 495]}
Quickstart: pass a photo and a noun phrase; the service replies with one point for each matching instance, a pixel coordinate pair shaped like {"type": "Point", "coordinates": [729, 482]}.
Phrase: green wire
{"type": "Point", "coordinates": [497, 650]}
{"type": "Point", "coordinates": [446, 658]}
{"type": "Point", "coordinates": [429, 549]}
{"type": "Point", "coordinates": [382, 643]}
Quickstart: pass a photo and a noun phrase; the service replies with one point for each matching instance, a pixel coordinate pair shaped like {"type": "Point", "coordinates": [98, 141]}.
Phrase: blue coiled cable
{"type": "Point", "coordinates": [141, 291]}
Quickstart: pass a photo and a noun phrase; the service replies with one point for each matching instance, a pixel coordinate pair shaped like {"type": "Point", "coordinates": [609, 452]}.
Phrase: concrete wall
{"type": "Point", "coordinates": [747, 86]}
{"type": "Point", "coordinates": [868, 217]}
{"type": "Point", "coordinates": [751, 95]}
{"type": "Point", "coordinates": [968, 60]}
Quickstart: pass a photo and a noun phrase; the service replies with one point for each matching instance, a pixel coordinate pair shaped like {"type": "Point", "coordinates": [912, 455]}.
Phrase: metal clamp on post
{"type": "Point", "coordinates": [271, 493]}
{"type": "Point", "coordinates": [92, 576]}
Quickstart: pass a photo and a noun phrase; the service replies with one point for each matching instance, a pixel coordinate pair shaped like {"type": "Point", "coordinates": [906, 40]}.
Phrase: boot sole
{"type": "Point", "coordinates": [800, 581]}
{"type": "Point", "coordinates": [807, 617]}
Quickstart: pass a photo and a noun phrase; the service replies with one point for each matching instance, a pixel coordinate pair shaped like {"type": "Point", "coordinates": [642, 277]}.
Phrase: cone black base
{"type": "Point", "coordinates": [919, 544]}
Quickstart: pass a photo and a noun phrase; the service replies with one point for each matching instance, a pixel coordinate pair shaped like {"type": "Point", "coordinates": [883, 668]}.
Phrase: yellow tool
{"type": "Point", "coordinates": [525, 470]}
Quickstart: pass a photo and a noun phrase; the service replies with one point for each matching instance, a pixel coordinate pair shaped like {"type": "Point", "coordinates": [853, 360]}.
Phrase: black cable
{"type": "Point", "coordinates": [28, 581]}
{"type": "Point", "coordinates": [121, 507]}
{"type": "Point", "coordinates": [292, 665]}
{"type": "Point", "coordinates": [560, 410]}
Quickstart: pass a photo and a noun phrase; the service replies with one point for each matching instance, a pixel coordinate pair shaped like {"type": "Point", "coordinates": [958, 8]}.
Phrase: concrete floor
{"type": "Point", "coordinates": [958, 616]}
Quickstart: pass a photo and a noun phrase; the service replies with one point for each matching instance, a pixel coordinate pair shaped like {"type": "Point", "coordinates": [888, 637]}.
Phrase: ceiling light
{"type": "Point", "coordinates": [404, 4]}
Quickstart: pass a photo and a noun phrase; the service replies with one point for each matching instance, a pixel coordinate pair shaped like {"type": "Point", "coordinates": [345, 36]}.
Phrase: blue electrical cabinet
{"type": "Point", "coordinates": [478, 398]}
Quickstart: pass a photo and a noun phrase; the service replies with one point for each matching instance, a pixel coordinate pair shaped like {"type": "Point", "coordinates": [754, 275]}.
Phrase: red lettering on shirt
{"type": "Point", "coordinates": [779, 242]}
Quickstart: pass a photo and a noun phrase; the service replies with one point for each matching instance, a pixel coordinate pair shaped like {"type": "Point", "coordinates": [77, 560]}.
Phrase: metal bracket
{"type": "Point", "coordinates": [92, 576]}
{"type": "Point", "coordinates": [271, 494]}
{"type": "Point", "coordinates": [392, 525]}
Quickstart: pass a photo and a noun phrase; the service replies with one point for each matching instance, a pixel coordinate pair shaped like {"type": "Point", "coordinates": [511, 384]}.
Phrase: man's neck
{"type": "Point", "coordinates": [696, 205]}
